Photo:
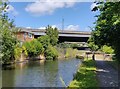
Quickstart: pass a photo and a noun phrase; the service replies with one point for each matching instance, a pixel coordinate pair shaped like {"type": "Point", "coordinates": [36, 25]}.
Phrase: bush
{"type": "Point", "coordinates": [24, 50]}
{"type": "Point", "coordinates": [51, 53]}
{"type": "Point", "coordinates": [19, 50]}
{"type": "Point", "coordinates": [7, 45]}
{"type": "Point", "coordinates": [70, 52]}
{"type": "Point", "coordinates": [34, 48]}
{"type": "Point", "coordinates": [107, 49]}
{"type": "Point", "coordinates": [44, 40]}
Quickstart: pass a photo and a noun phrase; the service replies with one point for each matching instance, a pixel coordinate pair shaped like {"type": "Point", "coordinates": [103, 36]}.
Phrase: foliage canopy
{"type": "Point", "coordinates": [53, 35]}
{"type": "Point", "coordinates": [107, 29]}
{"type": "Point", "coordinates": [8, 40]}
{"type": "Point", "coordinates": [44, 40]}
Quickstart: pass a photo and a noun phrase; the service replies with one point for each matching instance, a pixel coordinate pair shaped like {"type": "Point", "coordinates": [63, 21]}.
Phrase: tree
{"type": "Point", "coordinates": [8, 40]}
{"type": "Point", "coordinates": [50, 52]}
{"type": "Point", "coordinates": [107, 29]}
{"type": "Point", "coordinates": [92, 46]}
{"type": "Point", "coordinates": [53, 35]}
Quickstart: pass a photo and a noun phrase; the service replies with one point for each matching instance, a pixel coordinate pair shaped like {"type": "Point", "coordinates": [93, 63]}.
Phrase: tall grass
{"type": "Point", "coordinates": [67, 52]}
{"type": "Point", "coordinates": [71, 52]}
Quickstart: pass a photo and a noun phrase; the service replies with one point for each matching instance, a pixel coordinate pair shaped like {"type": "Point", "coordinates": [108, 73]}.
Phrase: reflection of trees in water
{"type": "Point", "coordinates": [8, 81]}
{"type": "Point", "coordinates": [0, 77]}
{"type": "Point", "coordinates": [51, 69]}
{"type": "Point", "coordinates": [9, 77]}
{"type": "Point", "coordinates": [34, 74]}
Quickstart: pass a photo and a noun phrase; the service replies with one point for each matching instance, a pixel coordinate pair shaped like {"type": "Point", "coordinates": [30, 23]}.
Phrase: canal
{"type": "Point", "coordinates": [36, 74]}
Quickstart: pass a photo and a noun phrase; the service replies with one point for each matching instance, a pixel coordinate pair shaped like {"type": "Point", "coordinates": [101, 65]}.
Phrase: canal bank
{"type": "Point", "coordinates": [85, 76]}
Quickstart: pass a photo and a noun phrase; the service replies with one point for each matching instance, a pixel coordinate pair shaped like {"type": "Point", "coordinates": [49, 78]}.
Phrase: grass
{"type": "Point", "coordinates": [85, 76]}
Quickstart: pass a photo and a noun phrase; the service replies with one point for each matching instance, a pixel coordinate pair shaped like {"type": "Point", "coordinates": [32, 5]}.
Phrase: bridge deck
{"type": "Point", "coordinates": [64, 35]}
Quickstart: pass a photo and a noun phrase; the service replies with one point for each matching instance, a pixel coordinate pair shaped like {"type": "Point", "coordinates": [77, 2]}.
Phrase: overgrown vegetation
{"type": "Point", "coordinates": [51, 53]}
{"type": "Point", "coordinates": [107, 29]}
{"type": "Point", "coordinates": [8, 41]}
{"type": "Point", "coordinates": [107, 49]}
{"type": "Point", "coordinates": [20, 50]}
{"type": "Point", "coordinates": [44, 44]}
{"type": "Point", "coordinates": [53, 35]}
{"type": "Point", "coordinates": [67, 50]}
{"type": "Point", "coordinates": [85, 76]}
{"type": "Point", "coordinates": [34, 48]}
{"type": "Point", "coordinates": [11, 48]}
{"type": "Point", "coordinates": [68, 45]}
{"type": "Point", "coordinates": [44, 40]}
{"type": "Point", "coordinates": [70, 52]}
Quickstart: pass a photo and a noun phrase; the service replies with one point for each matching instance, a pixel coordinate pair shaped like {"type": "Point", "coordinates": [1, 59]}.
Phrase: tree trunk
{"type": "Point", "coordinates": [93, 56]}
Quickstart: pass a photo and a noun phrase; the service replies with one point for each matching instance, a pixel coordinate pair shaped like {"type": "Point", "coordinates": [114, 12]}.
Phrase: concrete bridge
{"type": "Point", "coordinates": [64, 35]}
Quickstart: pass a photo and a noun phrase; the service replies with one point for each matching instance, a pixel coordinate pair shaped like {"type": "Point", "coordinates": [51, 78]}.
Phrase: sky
{"type": "Point", "coordinates": [77, 16]}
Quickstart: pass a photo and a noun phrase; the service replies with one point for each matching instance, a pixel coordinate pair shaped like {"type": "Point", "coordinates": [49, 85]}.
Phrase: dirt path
{"type": "Point", "coordinates": [107, 75]}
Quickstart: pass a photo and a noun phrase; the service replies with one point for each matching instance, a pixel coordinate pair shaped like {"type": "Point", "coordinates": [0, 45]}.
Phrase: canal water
{"type": "Point", "coordinates": [36, 74]}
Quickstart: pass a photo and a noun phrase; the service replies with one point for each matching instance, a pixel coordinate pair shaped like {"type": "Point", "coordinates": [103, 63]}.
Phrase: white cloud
{"type": "Point", "coordinates": [11, 9]}
{"type": "Point", "coordinates": [73, 27]}
{"type": "Point", "coordinates": [47, 6]}
{"type": "Point", "coordinates": [54, 26]}
{"type": "Point", "coordinates": [69, 27]}
{"type": "Point", "coordinates": [93, 5]}
{"type": "Point", "coordinates": [42, 28]}
{"type": "Point", "coordinates": [28, 27]}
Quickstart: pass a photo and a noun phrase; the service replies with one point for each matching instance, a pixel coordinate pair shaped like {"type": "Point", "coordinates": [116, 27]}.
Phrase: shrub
{"type": "Point", "coordinates": [44, 40]}
{"type": "Point", "coordinates": [24, 50]}
{"type": "Point", "coordinates": [7, 45]}
{"type": "Point", "coordinates": [17, 52]}
{"type": "Point", "coordinates": [70, 52]}
{"type": "Point", "coordinates": [51, 53]}
{"type": "Point", "coordinates": [34, 48]}
{"type": "Point", "coordinates": [107, 49]}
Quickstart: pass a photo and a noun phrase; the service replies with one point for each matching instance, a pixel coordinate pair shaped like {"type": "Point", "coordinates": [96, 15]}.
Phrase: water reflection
{"type": "Point", "coordinates": [42, 62]}
{"type": "Point", "coordinates": [37, 74]}
{"type": "Point", "coordinates": [8, 78]}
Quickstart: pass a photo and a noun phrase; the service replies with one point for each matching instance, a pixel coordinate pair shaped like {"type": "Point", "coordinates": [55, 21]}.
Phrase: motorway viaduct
{"type": "Point", "coordinates": [65, 35]}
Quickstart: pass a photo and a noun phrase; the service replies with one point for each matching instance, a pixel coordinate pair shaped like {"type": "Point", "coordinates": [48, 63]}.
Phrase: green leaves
{"type": "Point", "coordinates": [85, 77]}
{"type": "Point", "coordinates": [92, 45]}
{"type": "Point", "coordinates": [51, 53]}
{"type": "Point", "coordinates": [53, 35]}
{"type": "Point", "coordinates": [49, 41]}
{"type": "Point", "coordinates": [44, 44]}
{"type": "Point", "coordinates": [34, 48]}
{"type": "Point", "coordinates": [107, 49]}
{"type": "Point", "coordinates": [107, 29]}
{"type": "Point", "coordinates": [44, 40]}
{"type": "Point", "coordinates": [8, 40]}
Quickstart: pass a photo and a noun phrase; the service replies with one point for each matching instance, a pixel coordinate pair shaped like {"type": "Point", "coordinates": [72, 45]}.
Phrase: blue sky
{"type": "Point", "coordinates": [77, 15]}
